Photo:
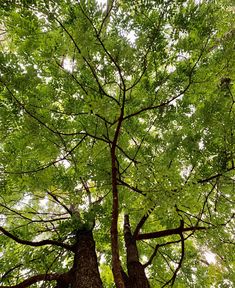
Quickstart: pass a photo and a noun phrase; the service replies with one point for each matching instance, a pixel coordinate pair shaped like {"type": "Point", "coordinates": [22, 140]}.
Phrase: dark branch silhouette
{"type": "Point", "coordinates": [152, 256]}
{"type": "Point", "coordinates": [141, 222]}
{"type": "Point", "coordinates": [38, 243]}
{"type": "Point", "coordinates": [37, 278]}
{"type": "Point", "coordinates": [172, 280]}
{"type": "Point", "coordinates": [169, 232]}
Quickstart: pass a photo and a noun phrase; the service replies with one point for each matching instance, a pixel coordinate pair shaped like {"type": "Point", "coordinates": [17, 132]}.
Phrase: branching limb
{"type": "Point", "coordinates": [152, 257]}
{"type": "Point", "coordinates": [110, 5]}
{"type": "Point", "coordinates": [86, 61]}
{"type": "Point", "coordinates": [52, 163]}
{"type": "Point", "coordinates": [84, 184]}
{"type": "Point", "coordinates": [135, 189]}
{"type": "Point", "coordinates": [169, 232]}
{"type": "Point", "coordinates": [167, 102]}
{"type": "Point", "coordinates": [163, 104]}
{"type": "Point", "coordinates": [206, 202]}
{"type": "Point", "coordinates": [215, 176]}
{"type": "Point", "coordinates": [40, 220]}
{"type": "Point", "coordinates": [59, 202]}
{"type": "Point", "coordinates": [189, 216]}
{"type": "Point", "coordinates": [172, 280]}
{"type": "Point", "coordinates": [37, 278]}
{"type": "Point", "coordinates": [141, 223]}
{"type": "Point", "coordinates": [36, 244]}
{"type": "Point", "coordinates": [22, 106]}
{"type": "Point", "coordinates": [106, 50]}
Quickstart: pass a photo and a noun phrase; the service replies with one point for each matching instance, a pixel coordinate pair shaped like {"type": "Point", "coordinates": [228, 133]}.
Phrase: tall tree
{"type": "Point", "coordinates": [117, 143]}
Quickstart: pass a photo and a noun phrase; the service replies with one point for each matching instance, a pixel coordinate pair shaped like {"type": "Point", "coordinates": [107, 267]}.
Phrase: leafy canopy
{"type": "Point", "coordinates": [69, 71]}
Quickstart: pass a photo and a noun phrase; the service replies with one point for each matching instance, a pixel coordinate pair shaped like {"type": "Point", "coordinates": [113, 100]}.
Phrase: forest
{"type": "Point", "coordinates": [117, 143]}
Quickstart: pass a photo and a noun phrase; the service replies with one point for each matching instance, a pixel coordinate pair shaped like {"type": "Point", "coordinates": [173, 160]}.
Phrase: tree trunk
{"type": "Point", "coordinates": [85, 273]}
{"type": "Point", "coordinates": [137, 277]}
{"type": "Point", "coordinates": [136, 273]}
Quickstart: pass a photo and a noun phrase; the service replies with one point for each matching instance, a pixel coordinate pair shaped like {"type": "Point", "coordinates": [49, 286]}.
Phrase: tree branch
{"type": "Point", "coordinates": [215, 176]}
{"type": "Point", "coordinates": [36, 244]}
{"type": "Point", "coordinates": [159, 105]}
{"type": "Point", "coordinates": [152, 257]}
{"type": "Point", "coordinates": [59, 202]}
{"type": "Point", "coordinates": [84, 184]}
{"type": "Point", "coordinates": [135, 189]}
{"type": "Point", "coordinates": [86, 61]}
{"type": "Point", "coordinates": [110, 5]}
{"type": "Point", "coordinates": [10, 270]}
{"type": "Point", "coordinates": [172, 280]}
{"type": "Point", "coordinates": [52, 163]}
{"type": "Point", "coordinates": [37, 278]}
{"type": "Point", "coordinates": [21, 105]}
{"type": "Point", "coordinates": [141, 222]}
{"type": "Point", "coordinates": [106, 50]}
{"type": "Point", "coordinates": [169, 232]}
{"type": "Point", "coordinates": [173, 98]}
{"type": "Point", "coordinates": [116, 265]}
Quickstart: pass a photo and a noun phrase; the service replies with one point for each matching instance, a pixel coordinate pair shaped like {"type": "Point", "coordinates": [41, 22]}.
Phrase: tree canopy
{"type": "Point", "coordinates": [117, 151]}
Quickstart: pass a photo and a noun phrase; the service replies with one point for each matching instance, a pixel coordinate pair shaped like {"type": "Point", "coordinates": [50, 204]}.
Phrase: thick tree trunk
{"type": "Point", "coordinates": [85, 273]}
{"type": "Point", "coordinates": [136, 273]}
{"type": "Point", "coordinates": [137, 277]}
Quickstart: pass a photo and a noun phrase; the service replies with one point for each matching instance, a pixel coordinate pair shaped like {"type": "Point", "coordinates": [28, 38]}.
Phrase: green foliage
{"type": "Point", "coordinates": [66, 69]}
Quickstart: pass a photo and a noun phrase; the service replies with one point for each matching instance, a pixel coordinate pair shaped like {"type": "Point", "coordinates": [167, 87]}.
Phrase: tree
{"type": "Point", "coordinates": [117, 143]}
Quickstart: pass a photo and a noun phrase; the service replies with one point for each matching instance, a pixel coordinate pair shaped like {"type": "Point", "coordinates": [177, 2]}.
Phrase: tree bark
{"type": "Point", "coordinates": [136, 273]}
{"type": "Point", "coordinates": [85, 272]}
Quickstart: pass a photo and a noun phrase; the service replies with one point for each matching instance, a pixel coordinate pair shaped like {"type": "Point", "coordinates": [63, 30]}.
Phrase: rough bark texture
{"type": "Point", "coordinates": [85, 273]}
{"type": "Point", "coordinates": [136, 273]}
{"type": "Point", "coordinates": [137, 277]}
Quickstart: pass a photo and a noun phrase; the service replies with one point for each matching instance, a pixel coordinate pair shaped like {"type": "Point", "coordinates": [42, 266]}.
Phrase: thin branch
{"type": "Point", "coordinates": [172, 280]}
{"type": "Point", "coordinates": [52, 163]}
{"type": "Point", "coordinates": [58, 201]}
{"type": "Point", "coordinates": [205, 203]}
{"type": "Point", "coordinates": [86, 61]}
{"type": "Point", "coordinates": [21, 105]}
{"type": "Point", "coordinates": [189, 216]}
{"type": "Point", "coordinates": [58, 133]}
{"type": "Point", "coordinates": [84, 184]}
{"type": "Point", "coordinates": [142, 73]}
{"type": "Point", "coordinates": [152, 257]}
{"type": "Point", "coordinates": [159, 105]}
{"type": "Point", "coordinates": [5, 275]}
{"type": "Point", "coordinates": [126, 155]}
{"type": "Point", "coordinates": [73, 77]}
{"type": "Point", "coordinates": [145, 64]}
{"type": "Point", "coordinates": [141, 222]}
{"type": "Point", "coordinates": [135, 189]}
{"type": "Point", "coordinates": [165, 256]}
{"type": "Point", "coordinates": [106, 50]}
{"type": "Point", "coordinates": [37, 278]}
{"type": "Point", "coordinates": [215, 176]}
{"type": "Point", "coordinates": [107, 15]}
{"type": "Point", "coordinates": [20, 214]}
{"type": "Point", "coordinates": [36, 244]}
{"type": "Point", "coordinates": [139, 145]}
{"type": "Point", "coordinates": [165, 103]}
